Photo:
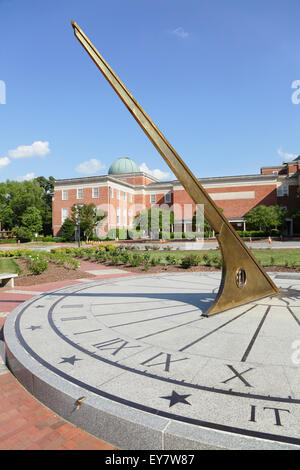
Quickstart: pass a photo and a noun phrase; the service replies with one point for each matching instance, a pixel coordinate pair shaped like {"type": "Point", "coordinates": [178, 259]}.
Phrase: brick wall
{"type": "Point", "coordinates": [58, 203]}
{"type": "Point", "coordinates": [236, 200]}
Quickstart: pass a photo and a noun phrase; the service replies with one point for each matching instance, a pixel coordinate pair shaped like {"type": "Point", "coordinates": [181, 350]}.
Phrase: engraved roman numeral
{"type": "Point", "coordinates": [166, 362]}
{"type": "Point", "coordinates": [238, 375]}
{"type": "Point", "coordinates": [276, 413]}
{"type": "Point", "coordinates": [106, 345]}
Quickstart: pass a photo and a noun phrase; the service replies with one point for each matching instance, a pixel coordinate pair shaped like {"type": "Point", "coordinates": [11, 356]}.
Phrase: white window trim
{"type": "Point", "coordinates": [77, 195]}
{"type": "Point", "coordinates": [93, 193]}
{"type": "Point", "coordinates": [63, 194]}
{"type": "Point", "coordinates": [282, 190]}
{"type": "Point", "coordinates": [64, 214]}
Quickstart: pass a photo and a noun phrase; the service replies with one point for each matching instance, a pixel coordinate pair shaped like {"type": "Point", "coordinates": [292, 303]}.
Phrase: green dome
{"type": "Point", "coordinates": [123, 165]}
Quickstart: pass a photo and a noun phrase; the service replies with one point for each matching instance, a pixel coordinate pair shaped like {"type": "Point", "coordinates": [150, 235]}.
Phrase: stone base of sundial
{"type": "Point", "coordinates": [134, 362]}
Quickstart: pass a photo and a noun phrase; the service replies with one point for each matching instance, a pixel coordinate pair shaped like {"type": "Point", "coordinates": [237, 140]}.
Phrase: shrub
{"type": "Point", "coordinates": [71, 263]}
{"type": "Point", "coordinates": [146, 259]}
{"type": "Point", "coordinates": [37, 265]}
{"type": "Point", "coordinates": [216, 261]}
{"type": "Point", "coordinates": [134, 234]}
{"type": "Point", "coordinates": [251, 233]}
{"type": "Point", "coordinates": [23, 234]}
{"type": "Point", "coordinates": [79, 252]}
{"type": "Point", "coordinates": [171, 259]}
{"type": "Point", "coordinates": [68, 230]}
{"type": "Point", "coordinates": [115, 259]}
{"type": "Point", "coordinates": [179, 235]}
{"type": "Point", "coordinates": [206, 259]}
{"type": "Point", "coordinates": [136, 259]}
{"type": "Point", "coordinates": [155, 260]}
{"type": "Point", "coordinates": [101, 255]}
{"type": "Point", "coordinates": [125, 257]}
{"type": "Point", "coordinates": [120, 233]}
{"type": "Point", "coordinates": [190, 260]}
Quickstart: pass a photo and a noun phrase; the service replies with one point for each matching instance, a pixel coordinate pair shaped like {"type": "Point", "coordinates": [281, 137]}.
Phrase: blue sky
{"type": "Point", "coordinates": [214, 75]}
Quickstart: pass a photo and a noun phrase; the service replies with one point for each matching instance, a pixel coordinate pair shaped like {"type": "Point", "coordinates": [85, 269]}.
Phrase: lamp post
{"type": "Point", "coordinates": [78, 229]}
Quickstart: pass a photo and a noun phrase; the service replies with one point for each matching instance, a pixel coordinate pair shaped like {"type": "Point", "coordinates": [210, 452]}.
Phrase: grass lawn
{"type": "Point", "coordinates": [267, 257]}
{"type": "Point", "coordinates": [8, 265]}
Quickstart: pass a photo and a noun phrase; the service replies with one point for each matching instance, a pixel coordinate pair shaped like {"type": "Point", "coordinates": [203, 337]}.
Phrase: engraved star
{"type": "Point", "coordinates": [176, 398]}
{"type": "Point", "coordinates": [70, 360]}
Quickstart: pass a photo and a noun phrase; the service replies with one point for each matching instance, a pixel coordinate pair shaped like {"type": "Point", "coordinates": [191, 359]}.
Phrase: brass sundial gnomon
{"type": "Point", "coordinates": [243, 279]}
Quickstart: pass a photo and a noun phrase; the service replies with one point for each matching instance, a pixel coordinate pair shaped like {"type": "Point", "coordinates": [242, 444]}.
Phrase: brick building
{"type": "Point", "coordinates": [125, 191]}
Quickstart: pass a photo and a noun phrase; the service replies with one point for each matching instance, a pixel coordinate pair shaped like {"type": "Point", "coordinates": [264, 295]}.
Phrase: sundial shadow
{"type": "Point", "coordinates": [201, 300]}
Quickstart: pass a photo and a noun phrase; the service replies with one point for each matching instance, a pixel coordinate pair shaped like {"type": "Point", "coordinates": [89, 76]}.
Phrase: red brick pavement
{"type": "Point", "coordinates": [26, 424]}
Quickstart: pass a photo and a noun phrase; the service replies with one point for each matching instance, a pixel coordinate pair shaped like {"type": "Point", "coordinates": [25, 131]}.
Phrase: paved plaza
{"type": "Point", "coordinates": [131, 360]}
{"type": "Point", "coordinates": [26, 424]}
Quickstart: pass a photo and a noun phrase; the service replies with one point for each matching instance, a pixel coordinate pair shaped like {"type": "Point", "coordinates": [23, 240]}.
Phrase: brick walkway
{"type": "Point", "coordinates": [26, 424]}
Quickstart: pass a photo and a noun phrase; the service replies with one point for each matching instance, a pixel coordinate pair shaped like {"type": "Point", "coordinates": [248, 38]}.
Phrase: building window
{"type": "Point", "coordinates": [168, 197]}
{"type": "Point", "coordinates": [124, 217]}
{"type": "Point", "coordinates": [64, 214]}
{"type": "Point", "coordinates": [79, 193]}
{"type": "Point", "coordinates": [64, 195]}
{"type": "Point", "coordinates": [118, 217]}
{"type": "Point", "coordinates": [130, 197]}
{"type": "Point", "coordinates": [275, 172]}
{"type": "Point", "coordinates": [111, 193]}
{"type": "Point", "coordinates": [153, 198]}
{"type": "Point", "coordinates": [282, 190]}
{"type": "Point", "coordinates": [95, 193]}
{"type": "Point", "coordinates": [118, 194]}
{"type": "Point", "coordinates": [125, 196]}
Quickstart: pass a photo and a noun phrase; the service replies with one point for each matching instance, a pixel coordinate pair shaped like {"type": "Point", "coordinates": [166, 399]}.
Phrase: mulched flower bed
{"type": "Point", "coordinates": [56, 272]}
{"type": "Point", "coordinates": [171, 268]}
{"type": "Point", "coordinates": [53, 273]}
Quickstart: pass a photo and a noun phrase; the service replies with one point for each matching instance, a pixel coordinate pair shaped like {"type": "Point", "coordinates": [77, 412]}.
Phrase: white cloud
{"type": "Point", "coordinates": [180, 32]}
{"type": "Point", "coordinates": [285, 155]}
{"type": "Point", "coordinates": [4, 161]}
{"type": "Point", "coordinates": [37, 149]}
{"type": "Point", "coordinates": [159, 174]}
{"type": "Point", "coordinates": [89, 167]}
{"type": "Point", "coordinates": [27, 177]}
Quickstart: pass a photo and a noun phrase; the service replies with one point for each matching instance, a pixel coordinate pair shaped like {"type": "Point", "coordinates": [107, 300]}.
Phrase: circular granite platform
{"type": "Point", "coordinates": [134, 362]}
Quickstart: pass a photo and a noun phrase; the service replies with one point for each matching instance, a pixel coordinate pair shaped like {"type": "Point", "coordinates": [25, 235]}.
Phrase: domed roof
{"type": "Point", "coordinates": [123, 165]}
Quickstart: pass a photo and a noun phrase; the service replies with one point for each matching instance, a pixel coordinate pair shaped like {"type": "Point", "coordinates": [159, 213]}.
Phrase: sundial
{"type": "Point", "coordinates": [243, 279]}
{"type": "Point", "coordinates": [134, 362]}
{"type": "Point", "coordinates": [169, 361]}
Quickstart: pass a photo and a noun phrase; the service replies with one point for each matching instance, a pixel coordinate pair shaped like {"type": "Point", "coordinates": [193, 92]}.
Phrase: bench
{"type": "Point", "coordinates": [8, 279]}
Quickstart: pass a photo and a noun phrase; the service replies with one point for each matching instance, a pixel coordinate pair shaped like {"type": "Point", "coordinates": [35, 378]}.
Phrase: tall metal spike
{"type": "Point", "coordinates": [243, 279]}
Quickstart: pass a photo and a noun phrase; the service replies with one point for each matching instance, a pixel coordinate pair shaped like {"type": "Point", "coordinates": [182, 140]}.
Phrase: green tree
{"type": "Point", "coordinates": [32, 220]}
{"type": "Point", "coordinates": [47, 185]}
{"type": "Point", "coordinates": [15, 198]}
{"type": "Point", "coordinates": [68, 230]}
{"type": "Point", "coordinates": [88, 216]}
{"type": "Point", "coordinates": [265, 217]}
